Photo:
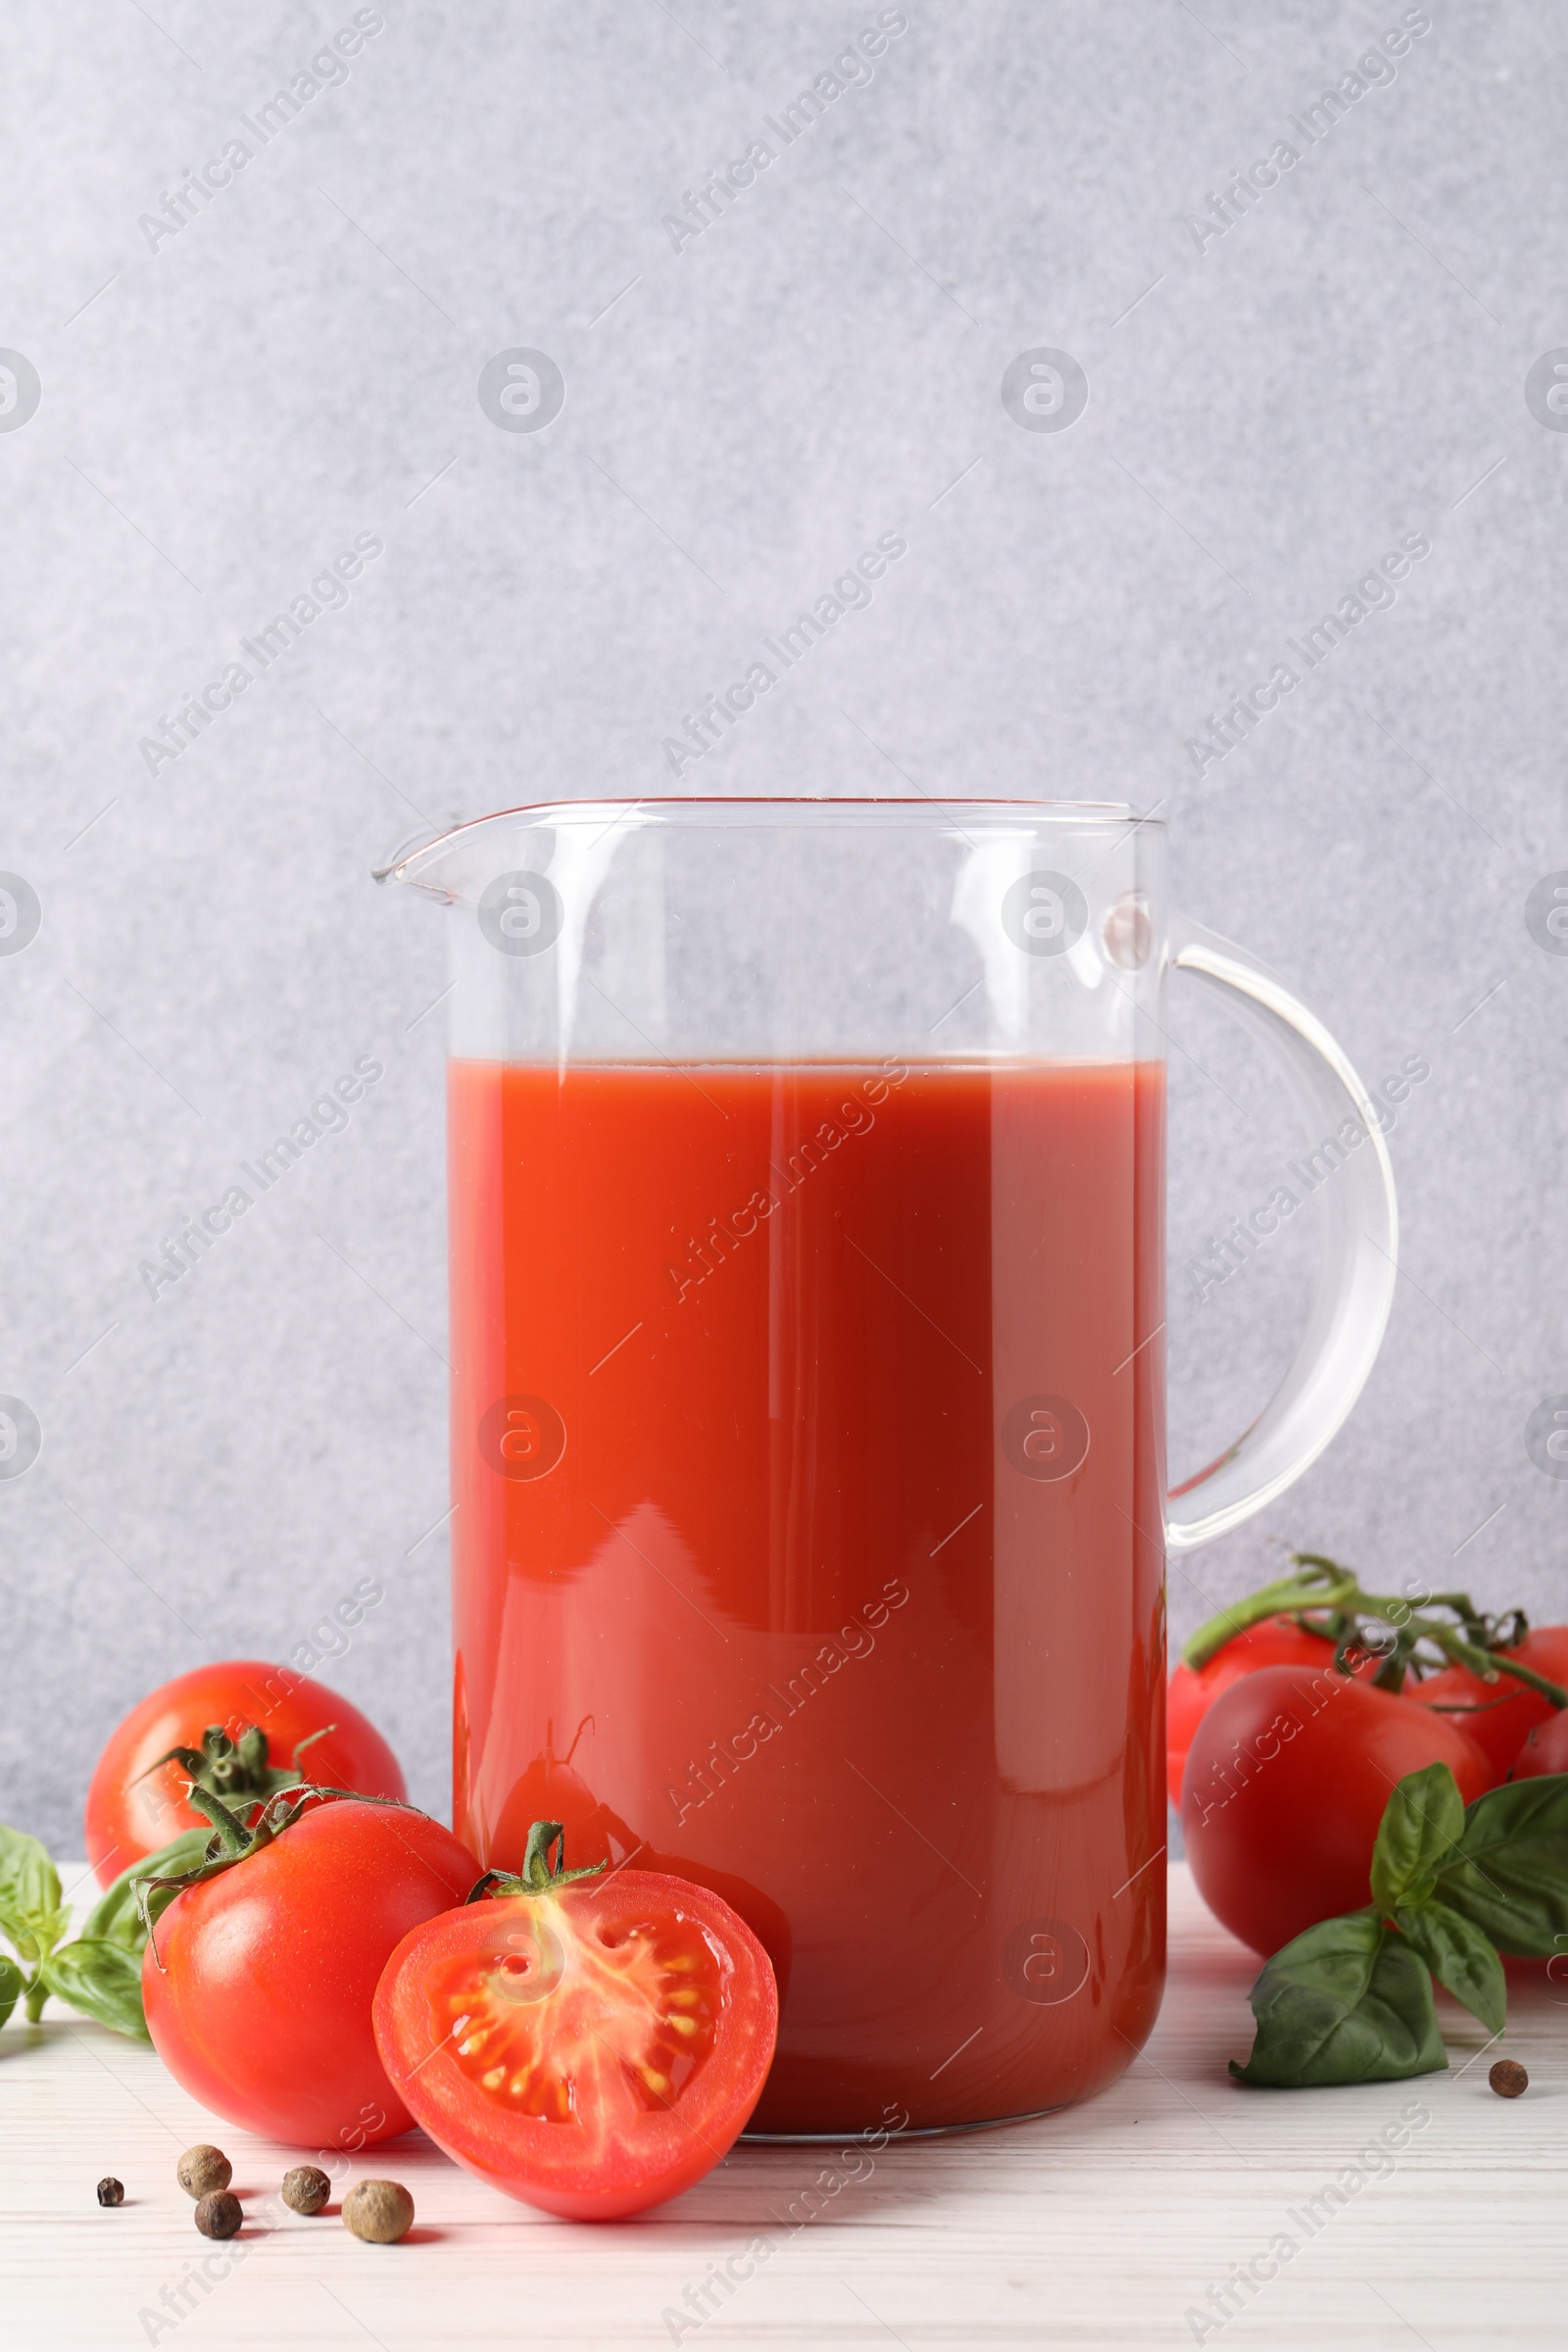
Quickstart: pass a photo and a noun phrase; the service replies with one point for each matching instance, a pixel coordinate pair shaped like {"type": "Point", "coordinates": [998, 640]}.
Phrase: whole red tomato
{"type": "Point", "coordinates": [1277, 1642]}
{"type": "Point", "coordinates": [1500, 1716]}
{"type": "Point", "coordinates": [258, 1983]}
{"type": "Point", "coordinates": [1545, 1750]}
{"type": "Point", "coordinates": [132, 1810]}
{"type": "Point", "coordinates": [591, 2048]}
{"type": "Point", "coordinates": [1286, 1782]}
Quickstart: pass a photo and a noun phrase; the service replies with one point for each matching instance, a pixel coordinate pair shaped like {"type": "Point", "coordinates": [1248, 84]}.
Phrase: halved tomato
{"type": "Point", "coordinates": [589, 2044]}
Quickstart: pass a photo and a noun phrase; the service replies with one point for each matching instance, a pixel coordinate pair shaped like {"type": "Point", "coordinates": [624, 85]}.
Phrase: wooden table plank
{"type": "Point", "coordinates": [1104, 2227]}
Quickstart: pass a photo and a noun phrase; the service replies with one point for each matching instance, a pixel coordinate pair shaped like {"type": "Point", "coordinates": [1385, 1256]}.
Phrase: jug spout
{"type": "Point", "coordinates": [418, 854]}
{"type": "Point", "coordinates": [440, 856]}
{"type": "Point", "coordinates": [463, 857]}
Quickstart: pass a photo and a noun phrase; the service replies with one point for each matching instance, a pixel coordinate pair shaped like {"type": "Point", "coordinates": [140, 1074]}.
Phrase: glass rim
{"type": "Point", "coordinates": [989, 810]}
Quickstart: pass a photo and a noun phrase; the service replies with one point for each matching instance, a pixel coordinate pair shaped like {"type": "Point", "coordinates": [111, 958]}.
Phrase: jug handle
{"type": "Point", "coordinates": [1360, 1249]}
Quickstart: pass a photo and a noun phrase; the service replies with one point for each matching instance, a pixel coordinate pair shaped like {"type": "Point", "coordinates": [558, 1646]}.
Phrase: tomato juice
{"type": "Point", "coordinates": [808, 1458]}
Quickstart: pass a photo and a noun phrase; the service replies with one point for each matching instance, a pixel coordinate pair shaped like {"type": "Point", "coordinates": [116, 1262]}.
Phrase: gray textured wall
{"type": "Point", "coordinates": [225, 407]}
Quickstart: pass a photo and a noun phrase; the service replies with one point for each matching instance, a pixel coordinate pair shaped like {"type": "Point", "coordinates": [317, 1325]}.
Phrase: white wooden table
{"type": "Point", "coordinates": [1104, 2227]}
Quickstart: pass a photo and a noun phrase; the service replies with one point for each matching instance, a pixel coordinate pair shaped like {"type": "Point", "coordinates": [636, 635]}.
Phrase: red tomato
{"type": "Point", "coordinates": [1277, 1642]}
{"type": "Point", "coordinates": [1500, 1716]}
{"type": "Point", "coordinates": [592, 2048]}
{"type": "Point", "coordinates": [258, 1983]}
{"type": "Point", "coordinates": [132, 1811]}
{"type": "Point", "coordinates": [1545, 1750]}
{"type": "Point", "coordinates": [1286, 1783]}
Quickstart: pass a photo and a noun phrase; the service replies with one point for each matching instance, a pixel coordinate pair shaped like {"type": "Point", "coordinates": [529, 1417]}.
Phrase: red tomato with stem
{"type": "Point", "coordinates": [258, 1983]}
{"type": "Point", "coordinates": [1277, 1642]}
{"type": "Point", "coordinates": [1500, 1716]}
{"type": "Point", "coordinates": [133, 1809]}
{"type": "Point", "coordinates": [591, 2047]}
{"type": "Point", "coordinates": [1286, 1782]}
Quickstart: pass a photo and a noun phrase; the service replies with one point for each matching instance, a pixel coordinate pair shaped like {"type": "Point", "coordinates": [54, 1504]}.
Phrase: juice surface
{"type": "Point", "coordinates": [808, 1453]}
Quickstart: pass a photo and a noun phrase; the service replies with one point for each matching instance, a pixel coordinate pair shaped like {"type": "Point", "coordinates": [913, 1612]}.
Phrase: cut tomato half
{"type": "Point", "coordinates": [590, 2045]}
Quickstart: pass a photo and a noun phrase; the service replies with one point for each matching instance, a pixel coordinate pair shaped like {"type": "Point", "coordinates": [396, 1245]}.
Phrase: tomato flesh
{"type": "Point", "coordinates": [592, 2048]}
{"type": "Point", "coordinates": [549, 2021]}
{"type": "Point", "coordinates": [134, 1810]}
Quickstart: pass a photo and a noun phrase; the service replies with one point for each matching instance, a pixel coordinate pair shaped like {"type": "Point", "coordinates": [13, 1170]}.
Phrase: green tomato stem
{"type": "Point", "coordinates": [1288, 1597]}
{"type": "Point", "coordinates": [1321, 1588]}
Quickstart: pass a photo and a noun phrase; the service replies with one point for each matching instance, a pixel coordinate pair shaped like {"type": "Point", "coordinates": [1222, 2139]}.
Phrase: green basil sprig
{"type": "Point", "coordinates": [99, 1971]}
{"type": "Point", "coordinates": [1350, 2000]}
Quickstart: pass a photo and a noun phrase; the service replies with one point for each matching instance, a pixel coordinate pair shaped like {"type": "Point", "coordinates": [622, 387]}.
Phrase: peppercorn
{"type": "Point", "coordinates": [306, 2188]}
{"type": "Point", "coordinates": [202, 2169]}
{"type": "Point", "coordinates": [218, 2214]}
{"type": "Point", "coordinates": [379, 2211]}
{"type": "Point", "coordinates": [110, 2191]}
{"type": "Point", "coordinates": [1509, 2079]}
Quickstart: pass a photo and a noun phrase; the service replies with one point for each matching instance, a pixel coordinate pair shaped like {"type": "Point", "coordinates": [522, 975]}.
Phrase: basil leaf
{"type": "Point", "coordinates": [1509, 1873]}
{"type": "Point", "coordinates": [31, 1903]}
{"type": "Point", "coordinates": [12, 1986]}
{"type": "Point", "coordinates": [1422, 1820]}
{"type": "Point", "coordinates": [102, 1979]}
{"type": "Point", "coordinates": [32, 1910]}
{"type": "Point", "coordinates": [1347, 2001]}
{"type": "Point", "coordinates": [1461, 1958]}
{"type": "Point", "coordinates": [115, 1917]}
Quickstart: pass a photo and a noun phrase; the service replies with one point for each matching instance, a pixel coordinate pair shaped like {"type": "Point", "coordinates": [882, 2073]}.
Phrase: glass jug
{"type": "Point", "coordinates": [806, 1208]}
